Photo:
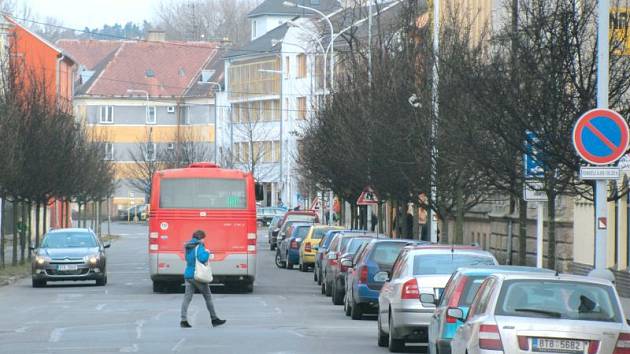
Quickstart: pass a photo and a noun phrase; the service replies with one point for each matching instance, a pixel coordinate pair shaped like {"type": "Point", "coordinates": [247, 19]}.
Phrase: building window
{"type": "Point", "coordinates": [109, 152]}
{"type": "Point", "coordinates": [287, 107]}
{"type": "Point", "coordinates": [301, 107]}
{"type": "Point", "coordinates": [276, 151]}
{"type": "Point", "coordinates": [254, 29]}
{"type": "Point", "coordinates": [301, 66]}
{"type": "Point", "coordinates": [288, 68]}
{"type": "Point", "coordinates": [106, 114]}
{"type": "Point", "coordinates": [151, 115]}
{"type": "Point", "coordinates": [186, 115]}
{"type": "Point", "coordinates": [150, 153]}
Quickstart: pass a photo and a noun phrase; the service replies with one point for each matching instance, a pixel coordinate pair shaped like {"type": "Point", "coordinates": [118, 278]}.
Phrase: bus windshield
{"type": "Point", "coordinates": [202, 193]}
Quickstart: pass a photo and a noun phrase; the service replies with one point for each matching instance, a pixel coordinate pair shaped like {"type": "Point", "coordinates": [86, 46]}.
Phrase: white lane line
{"type": "Point", "coordinates": [131, 349]}
{"type": "Point", "coordinates": [21, 329]}
{"type": "Point", "coordinates": [99, 307]}
{"type": "Point", "coordinates": [297, 334]}
{"type": "Point", "coordinates": [177, 345]}
{"type": "Point", "coordinates": [278, 310]}
{"type": "Point", "coordinates": [139, 325]}
{"type": "Point", "coordinates": [56, 335]}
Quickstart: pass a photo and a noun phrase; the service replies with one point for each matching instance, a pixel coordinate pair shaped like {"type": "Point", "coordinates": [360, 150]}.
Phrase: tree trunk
{"type": "Point", "coordinates": [23, 235]}
{"type": "Point", "coordinates": [522, 231]}
{"type": "Point", "coordinates": [45, 218]}
{"type": "Point", "coordinates": [381, 218]}
{"type": "Point", "coordinates": [551, 227]}
{"type": "Point", "coordinates": [37, 211]}
{"type": "Point", "coordinates": [444, 238]}
{"type": "Point", "coordinates": [16, 245]}
{"type": "Point", "coordinates": [29, 229]}
{"type": "Point", "coordinates": [416, 222]}
{"type": "Point", "coordinates": [459, 215]}
{"type": "Point", "coordinates": [2, 221]}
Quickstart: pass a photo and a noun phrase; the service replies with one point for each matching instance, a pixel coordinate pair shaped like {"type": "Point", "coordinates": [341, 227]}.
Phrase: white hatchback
{"type": "Point", "coordinates": [533, 312]}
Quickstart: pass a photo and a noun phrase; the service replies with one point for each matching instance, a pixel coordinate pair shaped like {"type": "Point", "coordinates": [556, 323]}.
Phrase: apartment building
{"type": "Point", "coordinates": [146, 98]}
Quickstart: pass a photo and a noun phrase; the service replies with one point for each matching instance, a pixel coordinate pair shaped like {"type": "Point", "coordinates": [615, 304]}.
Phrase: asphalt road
{"type": "Point", "coordinates": [285, 314]}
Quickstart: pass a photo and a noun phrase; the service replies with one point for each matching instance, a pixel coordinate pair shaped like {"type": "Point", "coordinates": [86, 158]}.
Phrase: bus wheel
{"type": "Point", "coordinates": [158, 286]}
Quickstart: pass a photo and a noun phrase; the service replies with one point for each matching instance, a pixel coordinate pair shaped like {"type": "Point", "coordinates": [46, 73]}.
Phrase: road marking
{"type": "Point", "coordinates": [56, 335]}
{"type": "Point", "coordinates": [297, 334]}
{"type": "Point", "coordinates": [278, 310]}
{"type": "Point", "coordinates": [21, 329]}
{"type": "Point", "coordinates": [100, 307]}
{"type": "Point", "coordinates": [177, 345]}
{"type": "Point", "coordinates": [132, 349]}
{"type": "Point", "coordinates": [139, 325]}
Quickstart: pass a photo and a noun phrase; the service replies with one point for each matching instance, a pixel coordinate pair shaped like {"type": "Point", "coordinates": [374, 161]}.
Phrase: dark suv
{"type": "Point", "coordinates": [69, 254]}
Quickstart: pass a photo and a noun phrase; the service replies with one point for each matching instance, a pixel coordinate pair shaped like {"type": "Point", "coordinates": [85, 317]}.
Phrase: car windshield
{"type": "Point", "coordinates": [354, 245]}
{"type": "Point", "coordinates": [426, 264]}
{"type": "Point", "coordinates": [301, 217]}
{"type": "Point", "coordinates": [385, 253]}
{"type": "Point", "coordinates": [69, 240]}
{"type": "Point", "coordinates": [558, 299]}
{"type": "Point", "coordinates": [472, 285]}
{"type": "Point", "coordinates": [301, 231]}
{"type": "Point", "coordinates": [327, 240]}
{"type": "Point", "coordinates": [319, 233]}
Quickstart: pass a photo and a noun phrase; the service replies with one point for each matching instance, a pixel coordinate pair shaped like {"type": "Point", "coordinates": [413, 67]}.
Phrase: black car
{"type": "Point", "coordinates": [69, 254]}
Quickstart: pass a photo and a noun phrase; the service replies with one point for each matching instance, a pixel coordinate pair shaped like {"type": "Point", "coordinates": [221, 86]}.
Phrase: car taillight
{"type": "Point", "coordinates": [410, 290]}
{"type": "Point", "coordinates": [333, 262]}
{"type": "Point", "coordinates": [593, 347]}
{"type": "Point", "coordinates": [523, 343]}
{"type": "Point", "coordinates": [363, 275]}
{"type": "Point", "coordinates": [251, 242]}
{"type": "Point", "coordinates": [623, 344]}
{"type": "Point", "coordinates": [489, 337]}
{"type": "Point", "coordinates": [294, 244]}
{"type": "Point", "coordinates": [307, 247]}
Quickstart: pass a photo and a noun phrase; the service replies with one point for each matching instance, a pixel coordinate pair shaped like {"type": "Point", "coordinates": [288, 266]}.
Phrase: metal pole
{"type": "Point", "coordinates": [434, 123]}
{"type": "Point", "coordinates": [540, 209]}
{"type": "Point", "coordinates": [509, 243]}
{"type": "Point", "coordinates": [601, 187]}
{"type": "Point", "coordinates": [330, 207]}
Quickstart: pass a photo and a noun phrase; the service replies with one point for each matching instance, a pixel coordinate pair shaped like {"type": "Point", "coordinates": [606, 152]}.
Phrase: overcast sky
{"type": "Point", "coordinates": [93, 13]}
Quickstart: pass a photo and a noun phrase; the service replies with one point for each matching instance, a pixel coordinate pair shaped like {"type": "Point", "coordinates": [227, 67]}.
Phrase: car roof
{"type": "Point", "coordinates": [422, 249]}
{"type": "Point", "coordinates": [70, 229]}
{"type": "Point", "coordinates": [488, 270]}
{"type": "Point", "coordinates": [332, 227]}
{"type": "Point", "coordinates": [552, 276]}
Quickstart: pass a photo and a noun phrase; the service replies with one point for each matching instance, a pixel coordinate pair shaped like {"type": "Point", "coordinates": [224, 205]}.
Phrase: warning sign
{"type": "Point", "coordinates": [316, 204]}
{"type": "Point", "coordinates": [367, 197]}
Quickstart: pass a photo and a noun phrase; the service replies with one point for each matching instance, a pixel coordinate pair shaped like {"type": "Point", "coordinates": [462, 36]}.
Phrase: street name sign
{"type": "Point", "coordinates": [601, 136]}
{"type": "Point", "coordinates": [534, 193]}
{"type": "Point", "coordinates": [597, 172]}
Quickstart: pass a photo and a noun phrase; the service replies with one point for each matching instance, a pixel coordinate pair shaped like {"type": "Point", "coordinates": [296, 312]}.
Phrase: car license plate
{"type": "Point", "coordinates": [67, 267]}
{"type": "Point", "coordinates": [547, 345]}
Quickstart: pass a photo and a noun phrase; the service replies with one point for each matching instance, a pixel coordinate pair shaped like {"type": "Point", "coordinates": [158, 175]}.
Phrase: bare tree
{"type": "Point", "coordinates": [206, 19]}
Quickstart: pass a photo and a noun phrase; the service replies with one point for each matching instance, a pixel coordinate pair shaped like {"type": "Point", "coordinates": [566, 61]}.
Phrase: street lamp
{"type": "Point", "coordinates": [332, 33]}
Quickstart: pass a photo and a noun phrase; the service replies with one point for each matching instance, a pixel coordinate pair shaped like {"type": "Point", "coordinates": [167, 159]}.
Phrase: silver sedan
{"type": "Point", "coordinates": [418, 270]}
{"type": "Point", "coordinates": [529, 312]}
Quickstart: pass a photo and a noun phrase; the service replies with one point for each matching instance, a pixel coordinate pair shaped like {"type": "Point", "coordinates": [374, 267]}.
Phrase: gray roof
{"type": "Point", "coordinates": [269, 43]}
{"type": "Point", "coordinates": [276, 7]}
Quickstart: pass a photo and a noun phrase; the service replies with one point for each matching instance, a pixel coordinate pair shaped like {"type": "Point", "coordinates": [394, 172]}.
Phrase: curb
{"type": "Point", "coordinates": [10, 280]}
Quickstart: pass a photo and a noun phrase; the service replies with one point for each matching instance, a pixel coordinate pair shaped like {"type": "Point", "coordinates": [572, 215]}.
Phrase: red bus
{"type": "Point", "coordinates": [221, 202]}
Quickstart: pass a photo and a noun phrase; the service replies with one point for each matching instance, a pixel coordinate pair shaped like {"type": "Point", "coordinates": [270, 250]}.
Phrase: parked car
{"type": "Point", "coordinates": [361, 288]}
{"type": "Point", "coordinates": [137, 211]}
{"type": "Point", "coordinates": [274, 228]}
{"type": "Point", "coordinates": [418, 269]}
{"type": "Point", "coordinates": [459, 292]}
{"type": "Point", "coordinates": [333, 255]}
{"type": "Point", "coordinates": [308, 248]}
{"type": "Point", "coordinates": [322, 249]}
{"type": "Point", "coordinates": [529, 312]}
{"type": "Point", "coordinates": [337, 272]}
{"type": "Point", "coordinates": [287, 254]}
{"type": "Point", "coordinates": [305, 216]}
{"type": "Point", "coordinates": [69, 254]}
{"type": "Point", "coordinates": [264, 215]}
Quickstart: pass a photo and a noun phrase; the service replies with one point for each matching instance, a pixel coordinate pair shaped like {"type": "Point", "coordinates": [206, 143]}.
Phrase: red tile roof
{"type": "Point", "coordinates": [161, 68]}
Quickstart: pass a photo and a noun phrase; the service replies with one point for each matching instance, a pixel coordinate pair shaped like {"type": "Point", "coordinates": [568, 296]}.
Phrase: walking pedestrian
{"type": "Point", "coordinates": [195, 250]}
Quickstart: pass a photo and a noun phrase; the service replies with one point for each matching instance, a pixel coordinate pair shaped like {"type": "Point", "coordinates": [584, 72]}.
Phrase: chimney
{"type": "Point", "coordinates": [156, 35]}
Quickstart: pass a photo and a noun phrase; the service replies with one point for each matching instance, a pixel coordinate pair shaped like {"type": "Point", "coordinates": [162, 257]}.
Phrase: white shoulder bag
{"type": "Point", "coordinates": [203, 272]}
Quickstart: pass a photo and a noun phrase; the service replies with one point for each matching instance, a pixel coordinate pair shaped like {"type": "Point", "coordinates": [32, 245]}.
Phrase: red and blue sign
{"type": "Point", "coordinates": [601, 136]}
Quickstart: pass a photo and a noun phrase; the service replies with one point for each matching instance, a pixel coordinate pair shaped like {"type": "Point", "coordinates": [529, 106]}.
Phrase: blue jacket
{"type": "Point", "coordinates": [202, 255]}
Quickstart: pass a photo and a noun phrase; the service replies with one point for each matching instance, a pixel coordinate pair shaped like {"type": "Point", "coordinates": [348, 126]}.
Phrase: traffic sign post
{"type": "Point", "coordinates": [600, 137]}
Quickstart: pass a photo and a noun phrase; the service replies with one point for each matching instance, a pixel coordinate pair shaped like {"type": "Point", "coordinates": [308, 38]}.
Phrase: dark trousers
{"type": "Point", "coordinates": [204, 289]}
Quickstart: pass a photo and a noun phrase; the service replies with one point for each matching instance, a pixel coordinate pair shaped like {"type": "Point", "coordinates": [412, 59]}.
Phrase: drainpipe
{"type": "Point", "coordinates": [58, 74]}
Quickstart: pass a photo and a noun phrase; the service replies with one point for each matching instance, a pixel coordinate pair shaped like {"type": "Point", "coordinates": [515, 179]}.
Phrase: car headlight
{"type": "Point", "coordinates": [41, 260]}
{"type": "Point", "coordinates": [92, 260]}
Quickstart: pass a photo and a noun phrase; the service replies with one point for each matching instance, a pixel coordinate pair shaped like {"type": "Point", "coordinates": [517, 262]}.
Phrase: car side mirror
{"type": "Point", "coordinates": [381, 277]}
{"type": "Point", "coordinates": [347, 263]}
{"type": "Point", "coordinates": [107, 245]}
{"type": "Point", "coordinates": [427, 299]}
{"type": "Point", "coordinates": [456, 313]}
{"type": "Point", "coordinates": [315, 248]}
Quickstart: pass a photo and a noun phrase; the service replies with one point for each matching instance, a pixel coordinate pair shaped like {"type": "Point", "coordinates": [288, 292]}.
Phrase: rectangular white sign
{"type": "Point", "coordinates": [533, 192]}
{"type": "Point", "coordinates": [595, 173]}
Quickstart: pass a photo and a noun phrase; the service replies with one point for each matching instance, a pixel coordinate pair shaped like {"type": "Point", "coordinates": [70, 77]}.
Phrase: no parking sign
{"type": "Point", "coordinates": [601, 136]}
